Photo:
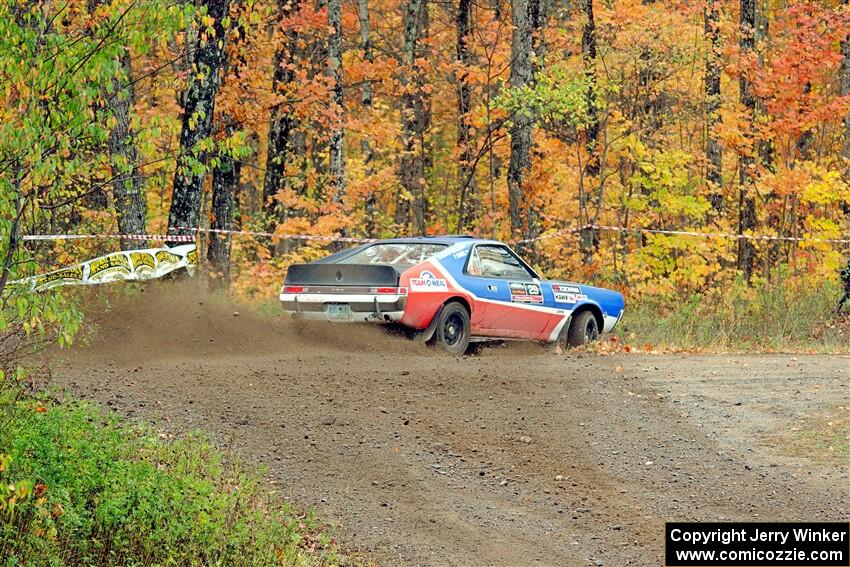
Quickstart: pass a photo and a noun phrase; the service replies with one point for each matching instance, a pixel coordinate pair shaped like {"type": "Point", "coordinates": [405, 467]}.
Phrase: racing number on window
{"type": "Point", "coordinates": [496, 262]}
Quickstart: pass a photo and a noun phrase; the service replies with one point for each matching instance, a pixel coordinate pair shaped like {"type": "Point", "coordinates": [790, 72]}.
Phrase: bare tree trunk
{"type": "Point", "coordinates": [282, 122]}
{"type": "Point", "coordinates": [844, 89]}
{"type": "Point", "coordinates": [807, 137]}
{"type": "Point", "coordinates": [129, 198]}
{"type": "Point", "coordinates": [421, 205]}
{"type": "Point", "coordinates": [468, 199]}
{"type": "Point", "coordinates": [366, 103]}
{"type": "Point", "coordinates": [336, 150]}
{"type": "Point", "coordinates": [649, 110]}
{"type": "Point", "coordinates": [225, 181]}
{"type": "Point", "coordinates": [98, 199]}
{"type": "Point", "coordinates": [589, 238]}
{"type": "Point", "coordinates": [522, 74]}
{"type": "Point", "coordinates": [415, 121]}
{"type": "Point", "coordinates": [182, 65]}
{"type": "Point", "coordinates": [317, 145]}
{"type": "Point", "coordinates": [538, 14]}
{"type": "Point", "coordinates": [197, 122]}
{"type": "Point", "coordinates": [746, 201]}
{"type": "Point", "coordinates": [14, 234]}
{"type": "Point", "coordinates": [713, 65]}
{"type": "Point", "coordinates": [765, 146]}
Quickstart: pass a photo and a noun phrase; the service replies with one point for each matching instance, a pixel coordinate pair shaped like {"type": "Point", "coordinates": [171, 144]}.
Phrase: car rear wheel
{"type": "Point", "coordinates": [453, 330]}
{"type": "Point", "coordinates": [584, 329]}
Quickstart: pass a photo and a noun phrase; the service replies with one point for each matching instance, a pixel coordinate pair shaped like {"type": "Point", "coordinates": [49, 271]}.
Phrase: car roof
{"type": "Point", "coordinates": [444, 240]}
{"type": "Point", "coordinates": [447, 239]}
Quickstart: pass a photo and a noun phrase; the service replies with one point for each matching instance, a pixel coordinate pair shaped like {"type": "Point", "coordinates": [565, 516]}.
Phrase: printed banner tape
{"type": "Point", "coordinates": [725, 235]}
{"type": "Point", "coordinates": [310, 237]}
{"type": "Point", "coordinates": [171, 238]}
{"type": "Point", "coordinates": [192, 238]}
{"type": "Point", "coordinates": [281, 236]}
{"type": "Point", "coordinates": [127, 265]}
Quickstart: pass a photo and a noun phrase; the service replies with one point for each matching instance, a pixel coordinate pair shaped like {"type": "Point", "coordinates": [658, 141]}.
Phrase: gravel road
{"type": "Point", "coordinates": [517, 456]}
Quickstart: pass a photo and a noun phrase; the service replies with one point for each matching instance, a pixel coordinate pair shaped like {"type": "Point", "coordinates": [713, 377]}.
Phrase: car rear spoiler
{"type": "Point", "coordinates": [341, 275]}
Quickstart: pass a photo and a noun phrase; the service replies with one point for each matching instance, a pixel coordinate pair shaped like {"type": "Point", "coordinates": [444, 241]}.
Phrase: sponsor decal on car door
{"type": "Point", "coordinates": [525, 292]}
{"type": "Point", "coordinates": [569, 294]}
{"type": "Point", "coordinates": [511, 296]}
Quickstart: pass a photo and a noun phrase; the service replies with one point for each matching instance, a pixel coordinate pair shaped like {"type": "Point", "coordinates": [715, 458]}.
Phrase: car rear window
{"type": "Point", "coordinates": [400, 255]}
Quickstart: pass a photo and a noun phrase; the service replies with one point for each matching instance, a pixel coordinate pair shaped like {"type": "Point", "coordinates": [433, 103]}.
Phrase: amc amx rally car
{"type": "Point", "coordinates": [450, 290]}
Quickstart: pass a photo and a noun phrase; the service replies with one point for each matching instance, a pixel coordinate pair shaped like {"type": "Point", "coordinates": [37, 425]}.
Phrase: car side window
{"type": "Point", "coordinates": [474, 266]}
{"type": "Point", "coordinates": [491, 261]}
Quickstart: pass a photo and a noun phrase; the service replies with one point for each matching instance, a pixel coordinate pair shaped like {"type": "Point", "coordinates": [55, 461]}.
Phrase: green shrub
{"type": "Point", "coordinates": [79, 487]}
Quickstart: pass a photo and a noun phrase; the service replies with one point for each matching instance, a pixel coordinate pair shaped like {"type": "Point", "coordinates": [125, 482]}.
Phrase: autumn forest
{"type": "Point", "coordinates": [585, 132]}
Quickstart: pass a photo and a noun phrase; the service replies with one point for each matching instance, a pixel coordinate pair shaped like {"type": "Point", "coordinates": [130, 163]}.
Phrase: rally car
{"type": "Point", "coordinates": [450, 290]}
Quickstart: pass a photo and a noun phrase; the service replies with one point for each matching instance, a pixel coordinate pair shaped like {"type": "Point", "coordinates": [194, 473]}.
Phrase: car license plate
{"type": "Point", "coordinates": [338, 311]}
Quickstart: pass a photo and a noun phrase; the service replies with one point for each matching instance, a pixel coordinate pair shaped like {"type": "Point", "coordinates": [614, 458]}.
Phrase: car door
{"type": "Point", "coordinates": [509, 292]}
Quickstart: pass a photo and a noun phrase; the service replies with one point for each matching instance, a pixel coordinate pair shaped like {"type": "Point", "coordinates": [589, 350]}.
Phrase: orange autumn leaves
{"type": "Point", "coordinates": [653, 129]}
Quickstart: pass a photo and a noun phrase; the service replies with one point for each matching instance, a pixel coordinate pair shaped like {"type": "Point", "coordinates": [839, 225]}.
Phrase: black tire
{"type": "Point", "coordinates": [584, 329]}
{"type": "Point", "coordinates": [474, 349]}
{"type": "Point", "coordinates": [453, 329]}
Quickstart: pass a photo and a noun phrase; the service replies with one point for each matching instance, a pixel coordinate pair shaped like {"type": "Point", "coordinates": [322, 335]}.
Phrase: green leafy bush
{"type": "Point", "coordinates": [79, 487]}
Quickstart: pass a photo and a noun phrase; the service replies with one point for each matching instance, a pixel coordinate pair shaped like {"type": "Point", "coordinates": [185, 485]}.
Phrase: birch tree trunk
{"type": "Point", "coordinates": [197, 123]}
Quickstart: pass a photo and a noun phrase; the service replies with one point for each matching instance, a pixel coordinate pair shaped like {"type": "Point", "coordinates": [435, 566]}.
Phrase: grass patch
{"type": "Point", "coordinates": [825, 437]}
{"type": "Point", "coordinates": [789, 318]}
{"type": "Point", "coordinates": [81, 487]}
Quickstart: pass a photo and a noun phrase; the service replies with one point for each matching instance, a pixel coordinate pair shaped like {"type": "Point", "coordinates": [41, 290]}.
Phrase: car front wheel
{"type": "Point", "coordinates": [584, 329]}
{"type": "Point", "coordinates": [453, 329]}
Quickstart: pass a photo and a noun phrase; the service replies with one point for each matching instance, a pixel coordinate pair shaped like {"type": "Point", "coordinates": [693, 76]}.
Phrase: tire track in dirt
{"type": "Point", "coordinates": [514, 457]}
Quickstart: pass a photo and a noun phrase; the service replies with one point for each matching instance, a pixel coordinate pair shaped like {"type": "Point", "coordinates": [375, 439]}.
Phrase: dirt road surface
{"type": "Point", "coordinates": [517, 456]}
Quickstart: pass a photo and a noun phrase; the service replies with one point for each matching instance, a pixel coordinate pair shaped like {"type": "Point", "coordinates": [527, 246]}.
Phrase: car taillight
{"type": "Point", "coordinates": [392, 290]}
{"type": "Point", "coordinates": [293, 289]}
